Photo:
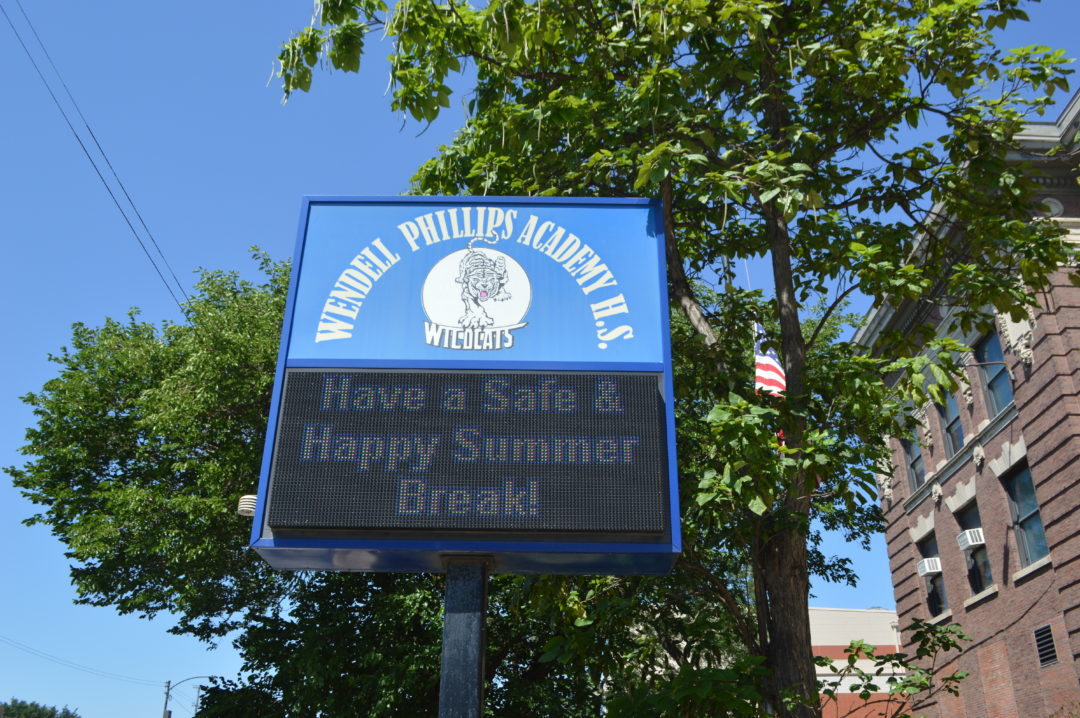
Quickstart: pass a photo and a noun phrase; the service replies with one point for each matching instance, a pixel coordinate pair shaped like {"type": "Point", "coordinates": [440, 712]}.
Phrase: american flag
{"type": "Point", "coordinates": [768, 373]}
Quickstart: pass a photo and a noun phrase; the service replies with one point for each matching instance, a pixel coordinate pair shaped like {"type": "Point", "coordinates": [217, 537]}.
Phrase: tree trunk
{"type": "Point", "coordinates": [782, 571]}
{"type": "Point", "coordinates": [780, 563]}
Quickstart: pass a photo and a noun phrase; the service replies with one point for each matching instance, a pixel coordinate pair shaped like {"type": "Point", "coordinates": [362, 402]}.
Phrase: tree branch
{"type": "Point", "coordinates": [680, 285]}
{"type": "Point", "coordinates": [746, 631]}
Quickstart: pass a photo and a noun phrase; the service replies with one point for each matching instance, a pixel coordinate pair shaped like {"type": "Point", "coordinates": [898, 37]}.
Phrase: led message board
{"type": "Point", "coordinates": [473, 376]}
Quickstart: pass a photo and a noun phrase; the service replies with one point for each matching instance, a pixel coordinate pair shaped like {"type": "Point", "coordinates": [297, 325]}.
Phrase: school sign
{"type": "Point", "coordinates": [467, 376]}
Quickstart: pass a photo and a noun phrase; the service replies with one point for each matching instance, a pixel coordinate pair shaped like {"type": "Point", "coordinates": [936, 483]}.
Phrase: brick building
{"type": "Point", "coordinates": [831, 633]}
{"type": "Point", "coordinates": [983, 513]}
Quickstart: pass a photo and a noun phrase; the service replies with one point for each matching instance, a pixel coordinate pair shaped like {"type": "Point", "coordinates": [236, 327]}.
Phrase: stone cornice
{"type": "Point", "coordinates": [1041, 136]}
{"type": "Point", "coordinates": [1033, 141]}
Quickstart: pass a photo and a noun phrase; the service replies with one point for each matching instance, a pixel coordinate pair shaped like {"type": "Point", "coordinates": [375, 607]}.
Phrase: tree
{"type": "Point", "coordinates": [786, 130]}
{"type": "Point", "coordinates": [859, 145]}
{"type": "Point", "coordinates": [15, 708]}
{"type": "Point", "coordinates": [142, 444]}
{"type": "Point", "coordinates": [122, 467]}
{"type": "Point", "coordinates": [905, 686]}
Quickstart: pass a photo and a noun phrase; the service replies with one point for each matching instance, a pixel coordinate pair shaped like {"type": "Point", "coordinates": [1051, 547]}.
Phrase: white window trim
{"type": "Point", "coordinates": [982, 595]}
{"type": "Point", "coordinates": [940, 618]}
{"type": "Point", "coordinates": [1031, 568]}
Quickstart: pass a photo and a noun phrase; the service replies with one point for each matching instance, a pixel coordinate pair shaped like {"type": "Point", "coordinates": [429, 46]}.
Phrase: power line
{"type": "Point", "coordinates": [182, 704]}
{"type": "Point", "coordinates": [89, 157]}
{"type": "Point", "coordinates": [97, 144]}
{"type": "Point", "coordinates": [77, 666]}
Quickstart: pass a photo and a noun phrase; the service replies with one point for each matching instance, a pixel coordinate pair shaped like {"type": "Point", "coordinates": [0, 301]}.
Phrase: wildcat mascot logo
{"type": "Point", "coordinates": [475, 299]}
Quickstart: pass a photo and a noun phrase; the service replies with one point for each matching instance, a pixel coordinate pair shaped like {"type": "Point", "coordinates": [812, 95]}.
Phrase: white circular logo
{"type": "Point", "coordinates": [476, 288]}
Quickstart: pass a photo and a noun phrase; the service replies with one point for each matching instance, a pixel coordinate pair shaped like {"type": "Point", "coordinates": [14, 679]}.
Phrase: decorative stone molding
{"type": "Point", "coordinates": [884, 475]}
{"type": "Point", "coordinates": [936, 493]}
{"type": "Point", "coordinates": [1054, 207]}
{"type": "Point", "coordinates": [961, 496]}
{"type": "Point", "coordinates": [923, 526]}
{"type": "Point", "coordinates": [1072, 237]}
{"type": "Point", "coordinates": [978, 456]}
{"type": "Point", "coordinates": [927, 436]}
{"type": "Point", "coordinates": [1010, 455]}
{"type": "Point", "coordinates": [1017, 336]}
{"type": "Point", "coordinates": [884, 483]}
{"type": "Point", "coordinates": [947, 471]}
{"type": "Point", "coordinates": [965, 361]}
{"type": "Point", "coordinates": [1053, 181]}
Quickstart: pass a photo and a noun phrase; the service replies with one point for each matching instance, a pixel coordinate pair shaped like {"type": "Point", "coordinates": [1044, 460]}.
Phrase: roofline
{"type": "Point", "coordinates": [1044, 135]}
{"type": "Point", "coordinates": [1035, 138]}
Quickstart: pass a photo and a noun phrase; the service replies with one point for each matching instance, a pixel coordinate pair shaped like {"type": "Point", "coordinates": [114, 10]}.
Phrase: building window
{"type": "Point", "coordinates": [1030, 537]}
{"type": "Point", "coordinates": [913, 456]}
{"type": "Point", "coordinates": [978, 561]}
{"type": "Point", "coordinates": [950, 423]}
{"type": "Point", "coordinates": [995, 375]}
{"type": "Point", "coordinates": [936, 601]}
{"type": "Point", "coordinates": [1044, 646]}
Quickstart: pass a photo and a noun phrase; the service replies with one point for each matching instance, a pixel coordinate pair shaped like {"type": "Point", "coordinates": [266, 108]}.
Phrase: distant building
{"type": "Point", "coordinates": [831, 632]}
{"type": "Point", "coordinates": [983, 511]}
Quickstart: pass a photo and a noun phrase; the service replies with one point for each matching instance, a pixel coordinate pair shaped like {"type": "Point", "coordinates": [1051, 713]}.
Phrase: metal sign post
{"type": "Point", "coordinates": [461, 679]}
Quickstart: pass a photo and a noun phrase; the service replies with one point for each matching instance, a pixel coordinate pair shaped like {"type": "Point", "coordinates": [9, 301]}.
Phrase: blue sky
{"type": "Point", "coordinates": [178, 96]}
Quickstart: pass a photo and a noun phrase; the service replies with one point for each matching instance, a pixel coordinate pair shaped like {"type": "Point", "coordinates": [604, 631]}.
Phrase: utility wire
{"type": "Point", "coordinates": [77, 666]}
{"type": "Point", "coordinates": [97, 144]}
{"type": "Point", "coordinates": [97, 169]}
{"type": "Point", "coordinates": [181, 703]}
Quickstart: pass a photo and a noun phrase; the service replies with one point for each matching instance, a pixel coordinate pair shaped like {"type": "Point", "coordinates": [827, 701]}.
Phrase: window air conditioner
{"type": "Point", "coordinates": [929, 565]}
{"type": "Point", "coordinates": [970, 539]}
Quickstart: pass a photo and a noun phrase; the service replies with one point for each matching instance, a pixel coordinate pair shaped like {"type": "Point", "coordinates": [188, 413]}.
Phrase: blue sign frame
{"type": "Point", "coordinates": [589, 295]}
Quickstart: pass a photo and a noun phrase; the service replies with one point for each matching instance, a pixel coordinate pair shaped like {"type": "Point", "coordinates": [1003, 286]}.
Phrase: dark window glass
{"type": "Point", "coordinates": [968, 517]}
{"type": "Point", "coordinates": [995, 375]}
{"type": "Point", "coordinates": [916, 469]}
{"type": "Point", "coordinates": [936, 601]}
{"type": "Point", "coordinates": [978, 569]}
{"type": "Point", "coordinates": [978, 561]}
{"type": "Point", "coordinates": [1030, 537]}
{"type": "Point", "coordinates": [950, 421]}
